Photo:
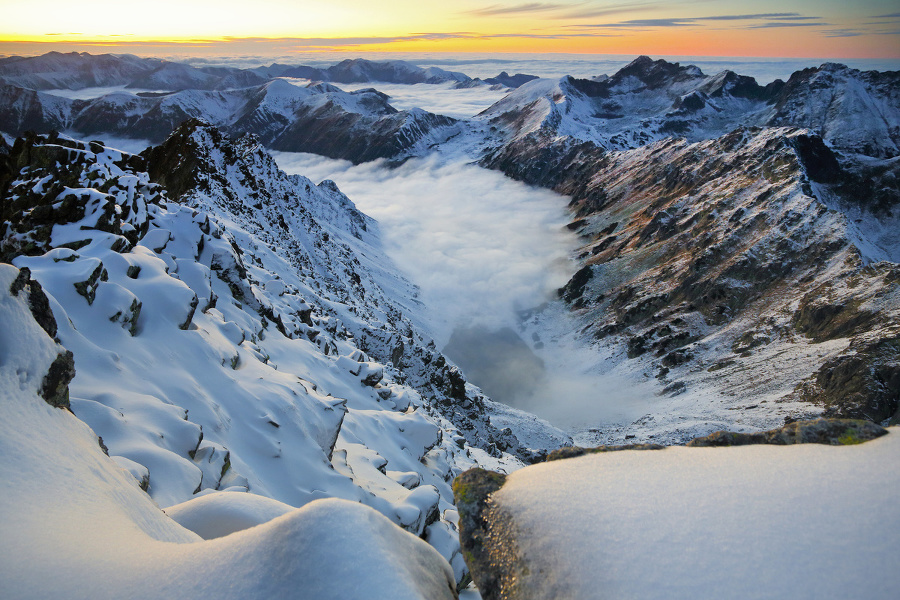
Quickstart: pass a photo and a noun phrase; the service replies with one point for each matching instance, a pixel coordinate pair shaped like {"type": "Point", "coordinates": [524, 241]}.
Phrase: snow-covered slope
{"type": "Point", "coordinates": [320, 118]}
{"type": "Point", "coordinates": [650, 100]}
{"type": "Point", "coordinates": [251, 335]}
{"type": "Point", "coordinates": [76, 525]}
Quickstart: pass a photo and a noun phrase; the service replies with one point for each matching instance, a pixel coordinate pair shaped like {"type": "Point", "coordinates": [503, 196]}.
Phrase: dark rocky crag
{"type": "Point", "coordinates": [55, 384]}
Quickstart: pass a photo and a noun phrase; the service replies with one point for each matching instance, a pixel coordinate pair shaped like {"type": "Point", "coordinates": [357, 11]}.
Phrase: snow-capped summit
{"type": "Point", "coordinates": [651, 100]}
{"type": "Point", "coordinates": [360, 70]}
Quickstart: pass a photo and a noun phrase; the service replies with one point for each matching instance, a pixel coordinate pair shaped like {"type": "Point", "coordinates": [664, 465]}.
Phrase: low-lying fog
{"type": "Point", "coordinates": [485, 251]}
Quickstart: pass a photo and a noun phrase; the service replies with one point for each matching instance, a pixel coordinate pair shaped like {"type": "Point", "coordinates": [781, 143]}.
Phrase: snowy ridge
{"type": "Point", "coordinates": [647, 101]}
{"type": "Point", "coordinates": [358, 125]}
{"type": "Point", "coordinates": [77, 514]}
{"type": "Point", "coordinates": [644, 102]}
{"type": "Point", "coordinates": [235, 341]}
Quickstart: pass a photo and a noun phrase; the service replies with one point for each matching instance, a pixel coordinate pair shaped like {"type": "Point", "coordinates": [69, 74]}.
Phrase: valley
{"type": "Point", "coordinates": [255, 280]}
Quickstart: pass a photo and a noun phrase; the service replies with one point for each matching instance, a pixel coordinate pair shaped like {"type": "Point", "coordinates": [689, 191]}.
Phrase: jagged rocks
{"type": "Point", "coordinates": [55, 387]}
{"type": "Point", "coordinates": [484, 553]}
{"type": "Point", "coordinates": [37, 300]}
{"type": "Point", "coordinates": [834, 432]}
{"type": "Point", "coordinates": [76, 188]}
{"type": "Point", "coordinates": [864, 383]}
{"type": "Point", "coordinates": [55, 384]}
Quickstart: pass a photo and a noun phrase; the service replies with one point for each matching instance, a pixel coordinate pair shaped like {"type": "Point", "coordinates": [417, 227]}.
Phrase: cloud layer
{"type": "Point", "coordinates": [479, 245]}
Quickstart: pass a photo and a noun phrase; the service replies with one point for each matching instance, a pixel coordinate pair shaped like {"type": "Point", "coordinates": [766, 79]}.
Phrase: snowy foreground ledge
{"type": "Point", "coordinates": [762, 521]}
{"type": "Point", "coordinates": [73, 524]}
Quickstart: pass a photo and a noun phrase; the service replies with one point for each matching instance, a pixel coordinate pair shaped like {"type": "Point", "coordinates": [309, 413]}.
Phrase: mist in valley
{"type": "Point", "coordinates": [488, 254]}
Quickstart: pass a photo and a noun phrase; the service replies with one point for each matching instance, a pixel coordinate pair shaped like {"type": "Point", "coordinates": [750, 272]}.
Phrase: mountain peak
{"type": "Point", "coordinates": [656, 73]}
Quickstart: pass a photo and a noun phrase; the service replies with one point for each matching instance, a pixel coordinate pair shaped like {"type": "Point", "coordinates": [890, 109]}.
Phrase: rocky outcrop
{"type": "Point", "coordinates": [55, 384]}
{"type": "Point", "coordinates": [487, 547]}
{"type": "Point", "coordinates": [834, 432]}
{"type": "Point", "coordinates": [30, 212]}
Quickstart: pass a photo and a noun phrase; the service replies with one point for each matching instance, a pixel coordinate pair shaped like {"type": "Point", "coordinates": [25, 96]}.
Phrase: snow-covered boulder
{"type": "Point", "coordinates": [755, 521]}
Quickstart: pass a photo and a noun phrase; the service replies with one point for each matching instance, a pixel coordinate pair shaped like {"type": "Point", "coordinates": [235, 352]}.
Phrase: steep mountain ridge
{"type": "Point", "coordinates": [706, 262]}
{"type": "Point", "coordinates": [320, 118]}
{"type": "Point", "coordinates": [250, 335]}
{"type": "Point", "coordinates": [650, 100]}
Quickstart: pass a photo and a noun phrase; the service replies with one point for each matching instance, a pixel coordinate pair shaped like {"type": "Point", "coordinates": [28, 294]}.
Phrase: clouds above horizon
{"type": "Point", "coordinates": [698, 27]}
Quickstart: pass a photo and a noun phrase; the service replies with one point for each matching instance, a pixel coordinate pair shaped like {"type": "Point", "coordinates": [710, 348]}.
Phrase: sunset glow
{"type": "Point", "coordinates": [785, 28]}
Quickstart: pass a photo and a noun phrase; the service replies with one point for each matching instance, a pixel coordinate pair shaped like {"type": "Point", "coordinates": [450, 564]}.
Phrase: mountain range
{"type": "Point", "coordinates": [224, 326]}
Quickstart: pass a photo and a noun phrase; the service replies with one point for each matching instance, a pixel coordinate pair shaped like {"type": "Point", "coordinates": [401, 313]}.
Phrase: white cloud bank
{"type": "Point", "coordinates": [480, 246]}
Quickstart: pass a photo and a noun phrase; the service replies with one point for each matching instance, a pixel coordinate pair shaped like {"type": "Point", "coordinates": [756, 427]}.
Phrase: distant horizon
{"type": "Point", "coordinates": [484, 65]}
{"type": "Point", "coordinates": [867, 29]}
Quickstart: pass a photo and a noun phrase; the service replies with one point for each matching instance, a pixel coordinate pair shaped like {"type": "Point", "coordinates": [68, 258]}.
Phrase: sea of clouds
{"type": "Point", "coordinates": [480, 246]}
{"type": "Point", "coordinates": [764, 69]}
{"type": "Point", "coordinates": [486, 251]}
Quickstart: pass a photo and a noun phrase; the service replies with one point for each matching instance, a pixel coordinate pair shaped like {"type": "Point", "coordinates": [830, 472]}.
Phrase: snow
{"type": "Point", "coordinates": [193, 390]}
{"type": "Point", "coordinates": [752, 522]}
{"type": "Point", "coordinates": [216, 514]}
{"type": "Point", "coordinates": [75, 525]}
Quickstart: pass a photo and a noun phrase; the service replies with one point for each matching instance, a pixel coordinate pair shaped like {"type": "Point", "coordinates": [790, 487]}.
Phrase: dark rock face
{"type": "Point", "coordinates": [37, 300]}
{"type": "Point", "coordinates": [863, 383]}
{"type": "Point", "coordinates": [28, 213]}
{"type": "Point", "coordinates": [489, 558]}
{"type": "Point", "coordinates": [575, 451]}
{"type": "Point", "coordinates": [55, 386]}
{"type": "Point", "coordinates": [834, 432]}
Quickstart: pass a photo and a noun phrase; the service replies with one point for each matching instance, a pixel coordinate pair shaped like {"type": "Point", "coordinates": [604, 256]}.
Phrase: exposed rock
{"type": "Point", "coordinates": [487, 554]}
{"type": "Point", "coordinates": [575, 451]}
{"type": "Point", "coordinates": [863, 383]}
{"type": "Point", "coordinates": [834, 432]}
{"type": "Point", "coordinates": [55, 387]}
{"type": "Point", "coordinates": [38, 302]}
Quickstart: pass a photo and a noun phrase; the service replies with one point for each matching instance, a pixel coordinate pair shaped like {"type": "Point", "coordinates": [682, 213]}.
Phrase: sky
{"type": "Point", "coordinates": [776, 28]}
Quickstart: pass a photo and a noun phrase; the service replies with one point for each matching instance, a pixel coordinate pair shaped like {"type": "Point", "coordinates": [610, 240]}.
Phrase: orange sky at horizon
{"type": "Point", "coordinates": [773, 28]}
